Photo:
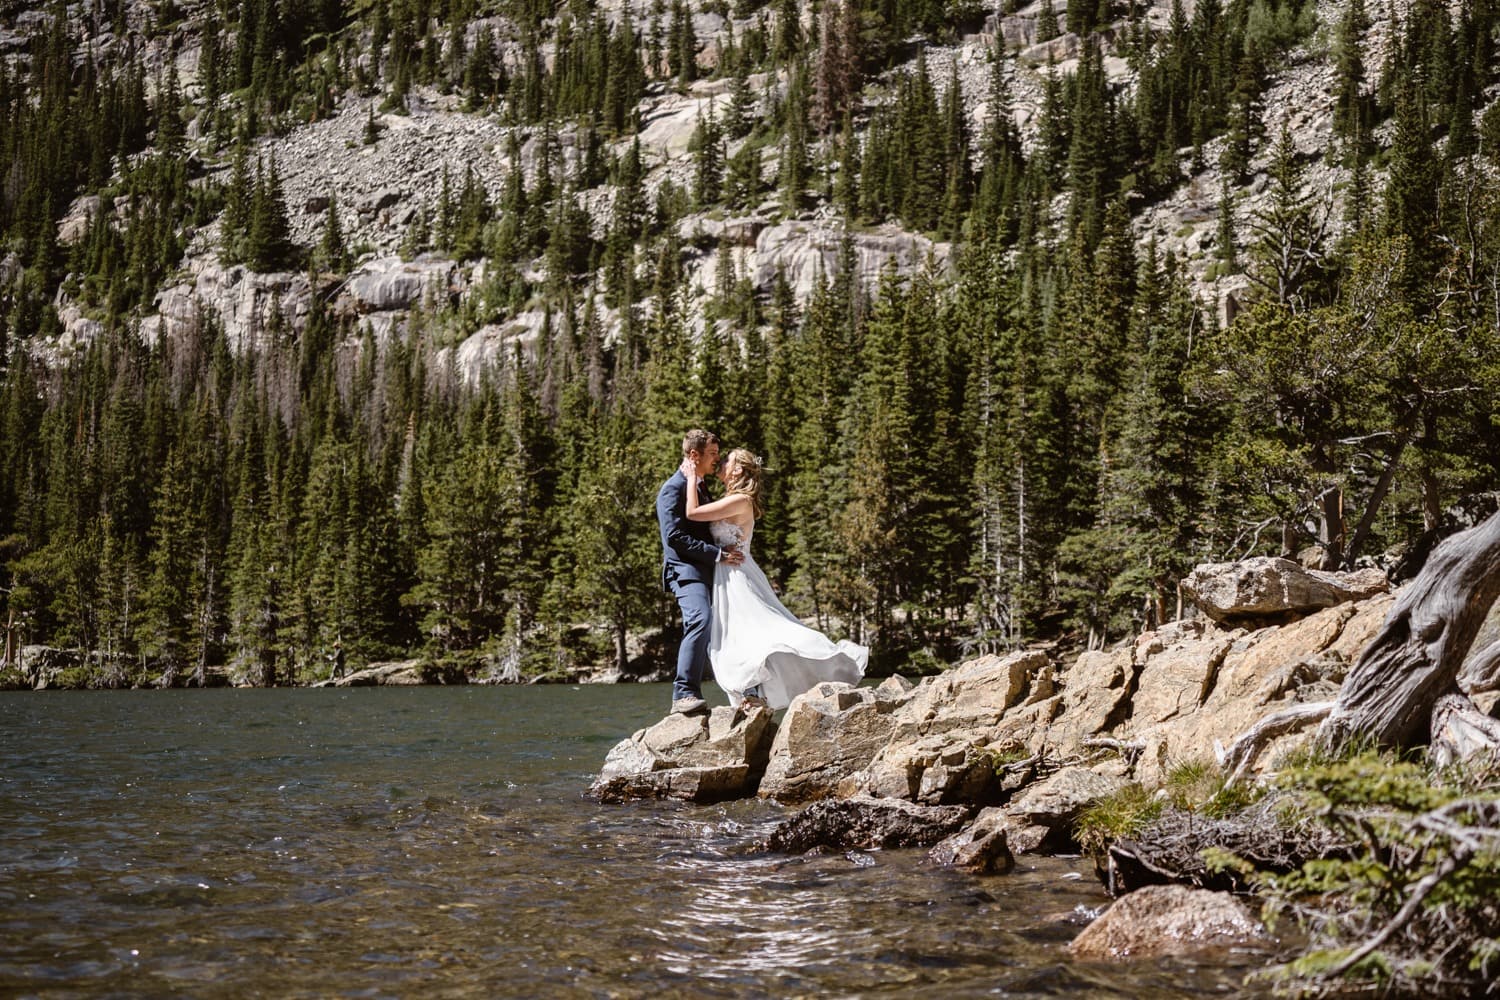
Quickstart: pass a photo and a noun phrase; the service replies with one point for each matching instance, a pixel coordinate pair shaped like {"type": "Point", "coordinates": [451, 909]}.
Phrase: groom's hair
{"type": "Point", "coordinates": [698, 440]}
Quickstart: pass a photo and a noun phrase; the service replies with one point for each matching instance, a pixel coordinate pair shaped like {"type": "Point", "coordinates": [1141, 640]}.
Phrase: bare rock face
{"type": "Point", "coordinates": [1270, 587]}
{"type": "Point", "coordinates": [490, 345]}
{"type": "Point", "coordinates": [247, 304]}
{"type": "Point", "coordinates": [1060, 49]}
{"type": "Point", "coordinates": [1095, 696]}
{"type": "Point", "coordinates": [935, 770]}
{"type": "Point", "coordinates": [866, 823]}
{"type": "Point", "coordinates": [804, 249]}
{"type": "Point", "coordinates": [926, 743]}
{"type": "Point", "coordinates": [1178, 671]}
{"type": "Point", "coordinates": [1169, 920]}
{"type": "Point", "coordinates": [75, 223]}
{"type": "Point", "coordinates": [1258, 672]}
{"type": "Point", "coordinates": [391, 283]}
{"type": "Point", "coordinates": [828, 733]}
{"type": "Point", "coordinates": [699, 758]}
{"type": "Point", "coordinates": [973, 695]}
{"type": "Point", "coordinates": [943, 747]}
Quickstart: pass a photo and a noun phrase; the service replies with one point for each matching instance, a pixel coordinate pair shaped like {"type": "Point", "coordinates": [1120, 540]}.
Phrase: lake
{"type": "Point", "coordinates": [394, 842]}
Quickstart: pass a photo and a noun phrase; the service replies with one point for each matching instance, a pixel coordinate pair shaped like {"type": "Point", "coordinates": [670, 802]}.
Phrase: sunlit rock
{"type": "Point", "coordinates": [1169, 920]}
{"type": "Point", "coordinates": [827, 734]}
{"type": "Point", "coordinates": [1267, 586]}
{"type": "Point", "coordinates": [982, 847]}
{"type": "Point", "coordinates": [705, 757]}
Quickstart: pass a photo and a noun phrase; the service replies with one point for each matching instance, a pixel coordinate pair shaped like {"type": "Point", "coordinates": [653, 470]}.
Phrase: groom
{"type": "Point", "coordinates": [688, 557]}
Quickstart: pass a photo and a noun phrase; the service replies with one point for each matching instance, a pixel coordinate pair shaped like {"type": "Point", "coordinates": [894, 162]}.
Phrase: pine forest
{"type": "Point", "coordinates": [1029, 308]}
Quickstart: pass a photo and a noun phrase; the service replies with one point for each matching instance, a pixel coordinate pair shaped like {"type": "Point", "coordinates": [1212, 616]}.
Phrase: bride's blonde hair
{"type": "Point", "coordinates": [746, 477]}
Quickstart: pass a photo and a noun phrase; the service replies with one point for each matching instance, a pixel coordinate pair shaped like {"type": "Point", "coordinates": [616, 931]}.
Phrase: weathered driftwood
{"type": "Point", "coordinates": [1460, 731]}
{"type": "Point", "coordinates": [1246, 749]}
{"type": "Point", "coordinates": [1482, 671]}
{"type": "Point", "coordinates": [1172, 848]}
{"type": "Point", "coordinates": [1390, 693]}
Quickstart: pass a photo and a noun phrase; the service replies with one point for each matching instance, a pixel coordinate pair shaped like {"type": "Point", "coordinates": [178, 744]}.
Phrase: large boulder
{"type": "Point", "coordinates": [866, 823]}
{"type": "Point", "coordinates": [700, 758]}
{"type": "Point", "coordinates": [937, 742]}
{"type": "Point", "coordinates": [1169, 920]}
{"type": "Point", "coordinates": [936, 770]}
{"type": "Point", "coordinates": [828, 733]}
{"type": "Point", "coordinates": [973, 695]}
{"type": "Point", "coordinates": [1260, 672]}
{"type": "Point", "coordinates": [1269, 587]}
{"type": "Point", "coordinates": [1095, 697]}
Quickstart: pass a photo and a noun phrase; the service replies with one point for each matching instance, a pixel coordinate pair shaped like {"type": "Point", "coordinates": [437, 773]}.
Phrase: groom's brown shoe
{"type": "Point", "coordinates": [687, 706]}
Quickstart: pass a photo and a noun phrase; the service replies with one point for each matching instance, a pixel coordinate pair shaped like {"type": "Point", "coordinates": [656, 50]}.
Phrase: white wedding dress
{"type": "Point", "coordinates": [756, 642]}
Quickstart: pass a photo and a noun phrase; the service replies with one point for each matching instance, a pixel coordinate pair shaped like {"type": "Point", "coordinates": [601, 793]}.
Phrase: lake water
{"type": "Point", "coordinates": [385, 842]}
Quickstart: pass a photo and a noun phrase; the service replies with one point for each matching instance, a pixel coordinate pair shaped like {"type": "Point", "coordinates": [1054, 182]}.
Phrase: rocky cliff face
{"type": "Point", "coordinates": [381, 187]}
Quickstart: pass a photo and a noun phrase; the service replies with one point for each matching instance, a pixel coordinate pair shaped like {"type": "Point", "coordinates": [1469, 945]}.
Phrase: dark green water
{"type": "Point", "coordinates": [437, 842]}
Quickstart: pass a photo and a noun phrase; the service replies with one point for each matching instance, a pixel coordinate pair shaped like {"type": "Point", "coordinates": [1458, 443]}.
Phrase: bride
{"type": "Point", "coordinates": [761, 653]}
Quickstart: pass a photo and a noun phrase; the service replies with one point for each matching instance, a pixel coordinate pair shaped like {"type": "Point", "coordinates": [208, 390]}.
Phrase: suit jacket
{"type": "Point", "coordinates": [688, 549]}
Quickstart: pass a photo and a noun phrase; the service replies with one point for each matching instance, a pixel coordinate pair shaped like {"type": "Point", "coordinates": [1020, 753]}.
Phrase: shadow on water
{"type": "Point", "coordinates": [385, 842]}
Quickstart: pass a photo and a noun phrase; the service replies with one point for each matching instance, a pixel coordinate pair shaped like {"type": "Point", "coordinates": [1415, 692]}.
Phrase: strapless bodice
{"type": "Point", "coordinates": [727, 533]}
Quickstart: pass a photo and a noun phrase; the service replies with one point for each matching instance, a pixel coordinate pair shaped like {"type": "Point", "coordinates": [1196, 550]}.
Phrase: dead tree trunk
{"type": "Point", "coordinates": [1391, 692]}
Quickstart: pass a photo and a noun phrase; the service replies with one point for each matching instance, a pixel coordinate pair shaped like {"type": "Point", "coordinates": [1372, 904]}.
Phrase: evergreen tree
{"type": "Point", "coordinates": [1353, 113]}
{"type": "Point", "coordinates": [614, 567]}
{"type": "Point", "coordinates": [1046, 22]}
{"type": "Point", "coordinates": [332, 251]}
{"type": "Point", "coordinates": [708, 160]}
{"type": "Point", "coordinates": [1411, 191]}
{"type": "Point", "coordinates": [268, 243]}
{"type": "Point", "coordinates": [1288, 256]}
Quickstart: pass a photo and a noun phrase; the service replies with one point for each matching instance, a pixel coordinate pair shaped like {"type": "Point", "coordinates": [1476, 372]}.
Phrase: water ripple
{"type": "Point", "coordinates": [435, 842]}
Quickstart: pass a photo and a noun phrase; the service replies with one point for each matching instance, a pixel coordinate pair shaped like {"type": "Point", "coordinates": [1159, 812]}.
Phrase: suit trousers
{"type": "Point", "coordinates": [692, 656]}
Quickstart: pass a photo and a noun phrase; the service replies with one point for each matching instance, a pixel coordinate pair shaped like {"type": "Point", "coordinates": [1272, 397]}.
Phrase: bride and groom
{"type": "Point", "coordinates": [760, 652]}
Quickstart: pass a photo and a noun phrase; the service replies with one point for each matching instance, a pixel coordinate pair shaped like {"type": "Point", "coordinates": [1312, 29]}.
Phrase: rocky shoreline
{"type": "Point", "coordinates": [1002, 754]}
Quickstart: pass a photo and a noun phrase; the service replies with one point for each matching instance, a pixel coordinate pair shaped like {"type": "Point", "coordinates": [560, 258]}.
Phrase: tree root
{"type": "Point", "coordinates": [1460, 731]}
{"type": "Point", "coordinates": [1482, 672]}
{"type": "Point", "coordinates": [1247, 748]}
{"type": "Point", "coordinates": [1171, 849]}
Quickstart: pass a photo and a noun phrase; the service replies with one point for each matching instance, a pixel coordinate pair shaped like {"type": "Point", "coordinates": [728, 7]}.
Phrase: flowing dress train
{"type": "Point", "coordinates": [754, 641]}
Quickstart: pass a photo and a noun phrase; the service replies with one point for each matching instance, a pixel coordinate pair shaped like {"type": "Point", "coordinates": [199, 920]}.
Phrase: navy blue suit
{"type": "Point", "coordinates": [687, 570]}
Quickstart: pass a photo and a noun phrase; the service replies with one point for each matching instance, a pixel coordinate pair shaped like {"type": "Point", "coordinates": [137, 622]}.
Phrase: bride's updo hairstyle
{"type": "Point", "coordinates": [746, 476]}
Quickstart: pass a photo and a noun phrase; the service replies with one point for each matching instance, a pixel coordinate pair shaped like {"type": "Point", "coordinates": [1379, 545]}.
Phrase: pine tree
{"type": "Point", "coordinates": [268, 244]}
{"type": "Point", "coordinates": [332, 250]}
{"type": "Point", "coordinates": [1353, 113]}
{"type": "Point", "coordinates": [794, 147]}
{"type": "Point", "coordinates": [613, 563]}
{"type": "Point", "coordinates": [708, 160]}
{"type": "Point", "coordinates": [1411, 193]}
{"type": "Point", "coordinates": [1046, 22]}
{"type": "Point", "coordinates": [1288, 257]}
{"type": "Point", "coordinates": [239, 198]}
